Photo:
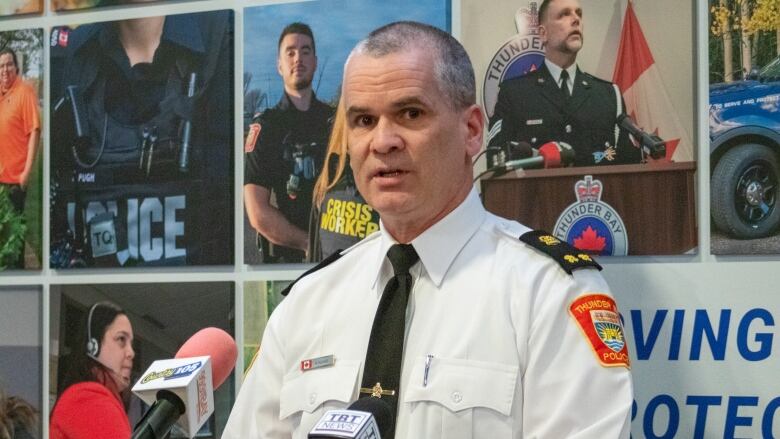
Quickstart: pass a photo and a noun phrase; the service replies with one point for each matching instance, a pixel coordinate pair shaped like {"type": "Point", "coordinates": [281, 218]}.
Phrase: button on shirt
{"type": "Point", "coordinates": [507, 359]}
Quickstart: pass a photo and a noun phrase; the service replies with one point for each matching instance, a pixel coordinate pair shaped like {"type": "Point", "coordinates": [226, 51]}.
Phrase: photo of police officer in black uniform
{"type": "Point", "coordinates": [141, 142]}
{"type": "Point", "coordinates": [559, 102]}
{"type": "Point", "coordinates": [285, 151]}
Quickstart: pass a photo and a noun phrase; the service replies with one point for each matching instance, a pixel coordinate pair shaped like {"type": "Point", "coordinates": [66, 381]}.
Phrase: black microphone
{"type": "Point", "coordinates": [366, 418]}
{"type": "Point", "coordinates": [653, 145]}
{"type": "Point", "coordinates": [520, 150]}
{"type": "Point", "coordinates": [551, 155]}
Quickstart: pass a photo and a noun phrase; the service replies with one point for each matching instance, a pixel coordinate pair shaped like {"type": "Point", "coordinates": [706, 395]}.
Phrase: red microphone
{"type": "Point", "coordinates": [216, 343]}
{"type": "Point", "coordinates": [551, 155]}
{"type": "Point", "coordinates": [556, 154]}
{"type": "Point", "coordinates": [180, 390]}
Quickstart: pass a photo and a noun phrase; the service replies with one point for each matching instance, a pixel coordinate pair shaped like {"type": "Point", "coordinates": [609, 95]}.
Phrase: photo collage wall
{"type": "Point", "coordinates": [157, 154]}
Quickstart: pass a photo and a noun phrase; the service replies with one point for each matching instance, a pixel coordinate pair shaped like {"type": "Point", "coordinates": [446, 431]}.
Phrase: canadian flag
{"type": "Point", "coordinates": [647, 101]}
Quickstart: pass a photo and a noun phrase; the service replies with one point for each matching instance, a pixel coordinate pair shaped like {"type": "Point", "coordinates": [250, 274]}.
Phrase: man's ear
{"type": "Point", "coordinates": [475, 127]}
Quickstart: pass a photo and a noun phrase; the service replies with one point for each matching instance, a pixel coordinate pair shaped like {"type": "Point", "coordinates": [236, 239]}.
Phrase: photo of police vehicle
{"type": "Point", "coordinates": [744, 146]}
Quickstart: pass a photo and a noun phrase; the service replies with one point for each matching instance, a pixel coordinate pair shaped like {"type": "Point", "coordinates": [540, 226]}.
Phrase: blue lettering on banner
{"type": "Point", "coordinates": [703, 403]}
{"type": "Point", "coordinates": [674, 417]}
{"type": "Point", "coordinates": [702, 324]}
{"type": "Point", "coordinates": [769, 417]}
{"type": "Point", "coordinates": [732, 417]}
{"type": "Point", "coordinates": [709, 332]}
{"type": "Point", "coordinates": [765, 340]}
{"type": "Point", "coordinates": [661, 416]}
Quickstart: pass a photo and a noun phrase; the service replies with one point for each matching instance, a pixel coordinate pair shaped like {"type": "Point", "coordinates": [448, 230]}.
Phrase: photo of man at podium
{"type": "Point", "coordinates": [606, 165]}
{"type": "Point", "coordinates": [560, 102]}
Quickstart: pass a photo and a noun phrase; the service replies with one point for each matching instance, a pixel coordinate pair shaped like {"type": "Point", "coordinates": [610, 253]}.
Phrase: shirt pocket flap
{"type": "Point", "coordinates": [464, 384]}
{"type": "Point", "coordinates": [305, 391]}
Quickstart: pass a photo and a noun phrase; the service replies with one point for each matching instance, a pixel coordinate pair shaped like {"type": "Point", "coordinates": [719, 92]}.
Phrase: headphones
{"type": "Point", "coordinates": [93, 346]}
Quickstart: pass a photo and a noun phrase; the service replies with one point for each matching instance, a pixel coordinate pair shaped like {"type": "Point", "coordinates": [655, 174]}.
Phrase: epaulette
{"type": "Point", "coordinates": [595, 78]}
{"type": "Point", "coordinates": [324, 263]}
{"type": "Point", "coordinates": [569, 257]}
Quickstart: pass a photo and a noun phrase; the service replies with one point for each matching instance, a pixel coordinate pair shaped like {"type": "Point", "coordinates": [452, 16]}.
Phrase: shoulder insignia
{"type": "Point", "coordinates": [324, 263]}
{"type": "Point", "coordinates": [599, 321]}
{"type": "Point", "coordinates": [569, 258]}
{"type": "Point", "coordinates": [588, 76]}
{"type": "Point", "coordinates": [59, 37]}
{"type": "Point", "coordinates": [252, 137]}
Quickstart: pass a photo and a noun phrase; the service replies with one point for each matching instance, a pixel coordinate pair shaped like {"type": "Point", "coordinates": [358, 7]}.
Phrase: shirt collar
{"type": "Point", "coordinates": [182, 30]}
{"type": "Point", "coordinates": [286, 104]}
{"type": "Point", "coordinates": [16, 82]}
{"type": "Point", "coordinates": [555, 71]}
{"type": "Point", "coordinates": [441, 243]}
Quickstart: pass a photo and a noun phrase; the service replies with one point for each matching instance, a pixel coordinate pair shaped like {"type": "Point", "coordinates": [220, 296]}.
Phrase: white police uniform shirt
{"type": "Point", "coordinates": [508, 359]}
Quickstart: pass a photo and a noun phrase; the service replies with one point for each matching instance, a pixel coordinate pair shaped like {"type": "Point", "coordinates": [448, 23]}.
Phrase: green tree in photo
{"type": "Point", "coordinates": [744, 34]}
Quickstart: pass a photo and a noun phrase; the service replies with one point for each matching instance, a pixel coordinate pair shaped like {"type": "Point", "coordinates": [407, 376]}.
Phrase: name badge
{"type": "Point", "coordinates": [102, 234]}
{"type": "Point", "coordinates": [534, 122]}
{"type": "Point", "coordinates": [316, 363]}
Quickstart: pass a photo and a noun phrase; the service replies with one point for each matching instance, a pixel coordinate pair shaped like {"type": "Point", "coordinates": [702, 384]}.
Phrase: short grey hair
{"type": "Point", "coordinates": [451, 64]}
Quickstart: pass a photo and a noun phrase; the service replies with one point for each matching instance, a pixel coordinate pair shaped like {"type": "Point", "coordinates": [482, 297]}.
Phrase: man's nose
{"type": "Point", "coordinates": [386, 138]}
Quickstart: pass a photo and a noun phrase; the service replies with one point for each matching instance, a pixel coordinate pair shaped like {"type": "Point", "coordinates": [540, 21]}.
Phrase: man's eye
{"type": "Point", "coordinates": [364, 121]}
{"type": "Point", "coordinates": [412, 113]}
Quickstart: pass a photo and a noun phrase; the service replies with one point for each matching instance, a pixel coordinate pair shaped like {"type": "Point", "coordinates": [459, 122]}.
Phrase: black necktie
{"type": "Point", "coordinates": [565, 84]}
{"type": "Point", "coordinates": [382, 372]}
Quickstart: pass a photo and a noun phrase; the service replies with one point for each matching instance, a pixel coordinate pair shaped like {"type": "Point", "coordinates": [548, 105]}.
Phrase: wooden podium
{"type": "Point", "coordinates": [655, 201]}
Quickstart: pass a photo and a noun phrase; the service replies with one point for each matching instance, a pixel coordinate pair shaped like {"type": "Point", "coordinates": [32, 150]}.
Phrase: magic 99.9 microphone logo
{"type": "Point", "coordinates": [172, 372]}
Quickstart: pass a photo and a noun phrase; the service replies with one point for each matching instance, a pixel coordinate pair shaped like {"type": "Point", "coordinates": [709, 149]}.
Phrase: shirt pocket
{"type": "Point", "coordinates": [306, 396]}
{"type": "Point", "coordinates": [462, 399]}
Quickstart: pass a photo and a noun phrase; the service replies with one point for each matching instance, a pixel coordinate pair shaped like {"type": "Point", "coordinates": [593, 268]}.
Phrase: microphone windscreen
{"type": "Point", "coordinates": [552, 154]}
{"type": "Point", "coordinates": [216, 343]}
{"type": "Point", "coordinates": [567, 154]}
{"type": "Point", "coordinates": [519, 150]}
{"type": "Point", "coordinates": [381, 411]}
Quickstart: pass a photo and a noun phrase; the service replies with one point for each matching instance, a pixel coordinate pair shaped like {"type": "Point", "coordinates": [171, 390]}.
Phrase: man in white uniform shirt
{"type": "Point", "coordinates": [503, 339]}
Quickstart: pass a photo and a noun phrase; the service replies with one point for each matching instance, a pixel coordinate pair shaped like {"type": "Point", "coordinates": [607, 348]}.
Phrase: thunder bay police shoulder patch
{"type": "Point", "coordinates": [252, 137]}
{"type": "Point", "coordinates": [569, 257]}
{"type": "Point", "coordinates": [597, 316]}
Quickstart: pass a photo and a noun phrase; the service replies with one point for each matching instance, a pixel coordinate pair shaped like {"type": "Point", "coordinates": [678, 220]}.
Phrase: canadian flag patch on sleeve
{"type": "Point", "coordinates": [598, 318]}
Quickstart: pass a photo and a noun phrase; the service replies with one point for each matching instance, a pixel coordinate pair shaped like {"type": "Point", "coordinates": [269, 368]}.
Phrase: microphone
{"type": "Point", "coordinates": [652, 145]}
{"type": "Point", "coordinates": [551, 155]}
{"type": "Point", "coordinates": [511, 150]}
{"type": "Point", "coordinates": [185, 385]}
{"type": "Point", "coordinates": [366, 418]}
{"type": "Point", "coordinates": [520, 150]}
